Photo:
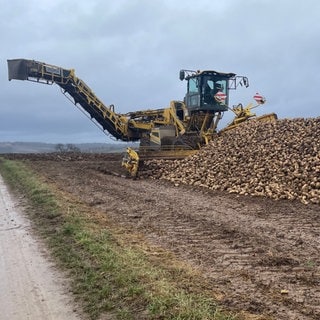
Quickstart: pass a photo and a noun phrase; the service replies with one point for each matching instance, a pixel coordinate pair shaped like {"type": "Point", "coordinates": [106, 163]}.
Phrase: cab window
{"type": "Point", "coordinates": [193, 85]}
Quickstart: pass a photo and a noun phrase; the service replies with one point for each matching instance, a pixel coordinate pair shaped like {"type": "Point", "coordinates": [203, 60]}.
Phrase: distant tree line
{"type": "Point", "coordinates": [60, 147]}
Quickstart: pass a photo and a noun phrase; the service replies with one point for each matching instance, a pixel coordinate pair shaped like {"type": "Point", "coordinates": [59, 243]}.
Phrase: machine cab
{"type": "Point", "coordinates": [207, 90]}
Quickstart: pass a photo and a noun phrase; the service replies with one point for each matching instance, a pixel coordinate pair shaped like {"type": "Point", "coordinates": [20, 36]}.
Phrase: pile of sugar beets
{"type": "Point", "coordinates": [280, 160]}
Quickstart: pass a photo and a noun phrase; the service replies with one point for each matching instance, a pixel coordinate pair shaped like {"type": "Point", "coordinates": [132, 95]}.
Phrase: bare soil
{"type": "Point", "coordinates": [258, 255]}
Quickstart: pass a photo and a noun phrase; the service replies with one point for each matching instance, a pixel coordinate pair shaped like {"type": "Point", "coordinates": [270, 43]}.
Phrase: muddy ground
{"type": "Point", "coordinates": [258, 255]}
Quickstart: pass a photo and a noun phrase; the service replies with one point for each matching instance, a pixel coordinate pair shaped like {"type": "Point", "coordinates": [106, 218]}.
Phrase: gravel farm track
{"type": "Point", "coordinates": [258, 255]}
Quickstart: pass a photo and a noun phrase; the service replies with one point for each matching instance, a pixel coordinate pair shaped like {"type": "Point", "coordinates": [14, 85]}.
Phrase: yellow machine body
{"type": "Point", "coordinates": [176, 131]}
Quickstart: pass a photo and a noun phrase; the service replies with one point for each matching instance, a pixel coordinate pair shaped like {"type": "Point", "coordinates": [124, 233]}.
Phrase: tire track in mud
{"type": "Point", "coordinates": [249, 249]}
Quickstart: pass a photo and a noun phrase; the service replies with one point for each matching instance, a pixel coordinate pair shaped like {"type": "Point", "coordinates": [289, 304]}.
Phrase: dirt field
{"type": "Point", "coordinates": [258, 255]}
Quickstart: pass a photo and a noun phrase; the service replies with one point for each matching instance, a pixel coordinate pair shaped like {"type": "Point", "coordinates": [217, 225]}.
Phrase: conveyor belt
{"type": "Point", "coordinates": [115, 124]}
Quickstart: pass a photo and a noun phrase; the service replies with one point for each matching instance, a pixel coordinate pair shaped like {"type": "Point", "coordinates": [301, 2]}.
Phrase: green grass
{"type": "Point", "coordinates": [109, 271]}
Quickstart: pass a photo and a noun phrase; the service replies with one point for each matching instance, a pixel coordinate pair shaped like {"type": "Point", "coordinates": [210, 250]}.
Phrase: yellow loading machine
{"type": "Point", "coordinates": [176, 131]}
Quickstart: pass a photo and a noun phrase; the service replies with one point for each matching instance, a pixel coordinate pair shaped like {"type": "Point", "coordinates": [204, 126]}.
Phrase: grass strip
{"type": "Point", "coordinates": [109, 274]}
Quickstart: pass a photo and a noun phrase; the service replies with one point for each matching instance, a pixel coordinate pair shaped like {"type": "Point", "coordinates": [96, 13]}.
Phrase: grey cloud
{"type": "Point", "coordinates": [129, 52]}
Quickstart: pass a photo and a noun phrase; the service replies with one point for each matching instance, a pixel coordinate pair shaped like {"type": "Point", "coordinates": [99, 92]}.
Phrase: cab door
{"type": "Point", "coordinates": [192, 98]}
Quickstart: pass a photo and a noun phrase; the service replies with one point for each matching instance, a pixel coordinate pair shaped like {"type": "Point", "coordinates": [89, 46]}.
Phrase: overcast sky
{"type": "Point", "coordinates": [130, 52]}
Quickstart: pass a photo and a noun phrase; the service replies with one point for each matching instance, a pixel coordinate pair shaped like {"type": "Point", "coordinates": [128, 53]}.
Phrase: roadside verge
{"type": "Point", "coordinates": [112, 270]}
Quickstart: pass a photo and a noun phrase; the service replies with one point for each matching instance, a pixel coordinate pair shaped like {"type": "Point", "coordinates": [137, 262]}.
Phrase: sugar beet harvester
{"type": "Point", "coordinates": [176, 131]}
